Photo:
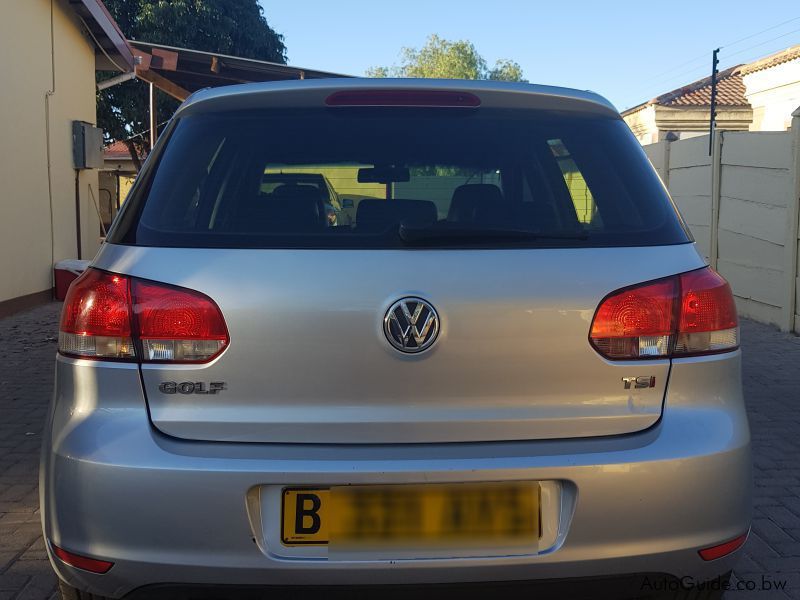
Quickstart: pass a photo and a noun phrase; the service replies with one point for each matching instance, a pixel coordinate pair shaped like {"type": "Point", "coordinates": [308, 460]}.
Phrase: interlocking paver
{"type": "Point", "coordinates": [772, 388]}
{"type": "Point", "coordinates": [26, 378]}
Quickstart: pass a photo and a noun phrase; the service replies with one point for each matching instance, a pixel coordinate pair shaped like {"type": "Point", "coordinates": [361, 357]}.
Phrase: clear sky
{"type": "Point", "coordinates": [628, 51]}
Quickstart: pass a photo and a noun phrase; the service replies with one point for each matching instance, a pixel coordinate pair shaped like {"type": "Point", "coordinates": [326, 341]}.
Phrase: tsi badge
{"type": "Point", "coordinates": [191, 387]}
{"type": "Point", "coordinates": [643, 381]}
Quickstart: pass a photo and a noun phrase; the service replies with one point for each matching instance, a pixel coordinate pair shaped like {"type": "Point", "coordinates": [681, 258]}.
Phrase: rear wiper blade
{"type": "Point", "coordinates": [421, 234]}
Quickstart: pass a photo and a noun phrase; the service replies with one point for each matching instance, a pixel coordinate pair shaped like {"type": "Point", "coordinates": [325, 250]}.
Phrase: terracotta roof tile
{"type": "Point", "coordinates": [773, 60]}
{"type": "Point", "coordinates": [730, 91]}
{"type": "Point", "coordinates": [117, 151]}
{"type": "Point", "coordinates": [730, 85]}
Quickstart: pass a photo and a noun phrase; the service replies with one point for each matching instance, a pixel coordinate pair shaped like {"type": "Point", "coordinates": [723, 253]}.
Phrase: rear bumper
{"type": "Point", "coordinates": [167, 511]}
{"type": "Point", "coordinates": [636, 585]}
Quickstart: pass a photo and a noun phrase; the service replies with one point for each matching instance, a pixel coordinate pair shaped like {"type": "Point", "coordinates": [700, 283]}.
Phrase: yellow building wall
{"type": "Point", "coordinates": [343, 178]}
{"type": "Point", "coordinates": [27, 73]}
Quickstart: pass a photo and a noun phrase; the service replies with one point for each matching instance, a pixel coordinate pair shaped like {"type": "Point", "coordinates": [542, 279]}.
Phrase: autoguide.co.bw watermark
{"type": "Point", "coordinates": [739, 584]}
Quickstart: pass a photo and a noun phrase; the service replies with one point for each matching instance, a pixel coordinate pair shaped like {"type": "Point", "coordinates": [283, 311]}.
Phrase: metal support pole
{"type": "Point", "coordinates": [790, 265]}
{"type": "Point", "coordinates": [712, 120]}
{"type": "Point", "coordinates": [78, 213]}
{"type": "Point", "coordinates": [716, 196]}
{"type": "Point", "coordinates": [153, 117]}
{"type": "Point", "coordinates": [118, 193]}
{"type": "Point", "coordinates": [104, 85]}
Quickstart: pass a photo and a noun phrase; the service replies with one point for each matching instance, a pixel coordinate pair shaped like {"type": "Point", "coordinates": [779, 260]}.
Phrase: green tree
{"type": "Point", "coordinates": [444, 59]}
{"type": "Point", "coordinates": [506, 70]}
{"type": "Point", "coordinates": [236, 27]}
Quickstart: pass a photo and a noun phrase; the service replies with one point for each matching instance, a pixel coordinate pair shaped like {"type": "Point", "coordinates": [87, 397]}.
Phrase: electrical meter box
{"type": "Point", "coordinates": [87, 145]}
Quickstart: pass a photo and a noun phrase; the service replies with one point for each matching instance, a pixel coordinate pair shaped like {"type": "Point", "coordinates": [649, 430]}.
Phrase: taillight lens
{"type": "Point", "coordinates": [108, 316]}
{"type": "Point", "coordinates": [708, 320]}
{"type": "Point", "coordinates": [688, 314]}
{"type": "Point", "coordinates": [637, 321]}
{"type": "Point", "coordinates": [96, 318]}
{"type": "Point", "coordinates": [176, 324]}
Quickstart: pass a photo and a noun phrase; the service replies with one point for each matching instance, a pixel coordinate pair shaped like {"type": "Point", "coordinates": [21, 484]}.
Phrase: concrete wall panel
{"type": "Point", "coordinates": [757, 179]}
{"type": "Point", "coordinates": [770, 150]}
{"type": "Point", "coordinates": [754, 283]}
{"type": "Point", "coordinates": [767, 186]}
{"type": "Point", "coordinates": [760, 221]}
{"type": "Point", "coordinates": [689, 153]}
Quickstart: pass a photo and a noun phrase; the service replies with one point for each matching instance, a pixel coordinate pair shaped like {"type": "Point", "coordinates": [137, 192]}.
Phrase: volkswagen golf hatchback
{"type": "Point", "coordinates": [508, 365]}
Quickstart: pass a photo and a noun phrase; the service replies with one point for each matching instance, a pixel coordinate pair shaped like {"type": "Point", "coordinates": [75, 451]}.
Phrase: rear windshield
{"type": "Point", "coordinates": [395, 178]}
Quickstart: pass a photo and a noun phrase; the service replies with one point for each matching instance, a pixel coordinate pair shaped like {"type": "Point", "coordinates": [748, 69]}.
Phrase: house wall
{"type": "Point", "coordinates": [692, 121]}
{"type": "Point", "coordinates": [651, 124]}
{"type": "Point", "coordinates": [643, 124]}
{"type": "Point", "coordinates": [773, 93]}
{"type": "Point", "coordinates": [28, 72]}
{"type": "Point", "coordinates": [753, 242]}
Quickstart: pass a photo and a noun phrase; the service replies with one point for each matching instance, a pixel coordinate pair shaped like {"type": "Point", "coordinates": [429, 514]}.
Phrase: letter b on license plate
{"type": "Point", "coordinates": [484, 514]}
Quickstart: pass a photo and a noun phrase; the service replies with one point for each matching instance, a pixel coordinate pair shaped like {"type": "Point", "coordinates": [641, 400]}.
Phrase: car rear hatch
{"type": "Point", "coordinates": [512, 217]}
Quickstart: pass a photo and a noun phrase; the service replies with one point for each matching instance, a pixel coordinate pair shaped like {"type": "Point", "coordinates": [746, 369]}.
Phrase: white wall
{"type": "Point", "coordinates": [643, 124]}
{"type": "Point", "coordinates": [756, 199]}
{"type": "Point", "coordinates": [773, 93]}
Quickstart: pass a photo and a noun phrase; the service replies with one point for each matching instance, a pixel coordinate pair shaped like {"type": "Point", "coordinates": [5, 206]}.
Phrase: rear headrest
{"type": "Point", "coordinates": [416, 212]}
{"type": "Point", "coordinates": [537, 216]}
{"type": "Point", "coordinates": [373, 214]}
{"type": "Point", "coordinates": [297, 211]}
{"type": "Point", "coordinates": [376, 214]}
{"type": "Point", "coordinates": [294, 190]}
{"type": "Point", "coordinates": [475, 202]}
{"type": "Point", "coordinates": [281, 214]}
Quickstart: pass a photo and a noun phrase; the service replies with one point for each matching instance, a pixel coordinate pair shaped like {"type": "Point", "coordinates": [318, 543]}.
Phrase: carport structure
{"type": "Point", "coordinates": [181, 71]}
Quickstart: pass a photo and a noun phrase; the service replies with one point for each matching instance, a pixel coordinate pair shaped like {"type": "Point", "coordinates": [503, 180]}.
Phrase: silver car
{"type": "Point", "coordinates": [513, 368]}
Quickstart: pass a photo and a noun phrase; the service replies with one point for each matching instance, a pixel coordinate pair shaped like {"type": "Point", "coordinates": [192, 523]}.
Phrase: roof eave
{"type": "Point", "coordinates": [637, 108]}
{"type": "Point", "coordinates": [114, 53]}
{"type": "Point", "coordinates": [253, 63]}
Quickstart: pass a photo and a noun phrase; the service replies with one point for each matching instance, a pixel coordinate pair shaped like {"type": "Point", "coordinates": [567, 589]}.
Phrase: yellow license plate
{"type": "Point", "coordinates": [495, 514]}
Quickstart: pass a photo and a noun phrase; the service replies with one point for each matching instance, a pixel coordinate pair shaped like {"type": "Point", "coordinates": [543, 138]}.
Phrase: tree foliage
{"type": "Point", "coordinates": [440, 58]}
{"type": "Point", "coordinates": [235, 27]}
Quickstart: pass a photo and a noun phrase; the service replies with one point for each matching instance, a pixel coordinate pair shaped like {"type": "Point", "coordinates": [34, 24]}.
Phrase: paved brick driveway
{"type": "Point", "coordinates": [772, 386]}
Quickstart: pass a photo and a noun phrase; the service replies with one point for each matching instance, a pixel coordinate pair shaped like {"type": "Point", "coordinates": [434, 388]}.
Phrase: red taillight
{"type": "Point", "coordinates": [708, 320]}
{"type": "Point", "coordinates": [82, 562]}
{"type": "Point", "coordinates": [637, 321]}
{"type": "Point", "coordinates": [420, 98]}
{"type": "Point", "coordinates": [176, 324]}
{"type": "Point", "coordinates": [688, 314]}
{"type": "Point", "coordinates": [96, 318]}
{"type": "Point", "coordinates": [721, 550]}
{"type": "Point", "coordinates": [108, 316]}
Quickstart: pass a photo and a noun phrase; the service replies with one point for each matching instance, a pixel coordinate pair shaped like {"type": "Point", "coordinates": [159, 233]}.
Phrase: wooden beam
{"type": "Point", "coordinates": [166, 60]}
{"type": "Point", "coordinates": [142, 59]}
{"type": "Point", "coordinates": [162, 83]}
